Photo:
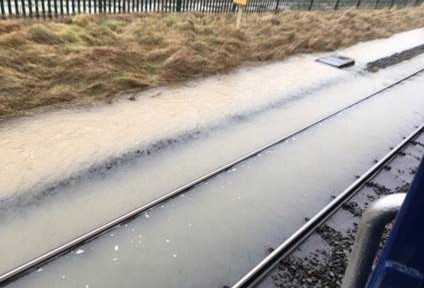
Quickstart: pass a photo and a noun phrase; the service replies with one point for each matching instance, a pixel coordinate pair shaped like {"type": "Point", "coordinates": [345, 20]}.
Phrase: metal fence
{"type": "Point", "coordinates": [58, 8]}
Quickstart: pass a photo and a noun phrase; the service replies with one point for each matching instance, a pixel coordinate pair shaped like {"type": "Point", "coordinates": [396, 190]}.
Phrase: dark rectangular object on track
{"type": "Point", "coordinates": [337, 61]}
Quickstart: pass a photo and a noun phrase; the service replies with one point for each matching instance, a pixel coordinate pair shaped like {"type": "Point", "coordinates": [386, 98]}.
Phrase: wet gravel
{"type": "Point", "coordinates": [394, 59]}
{"type": "Point", "coordinates": [321, 260]}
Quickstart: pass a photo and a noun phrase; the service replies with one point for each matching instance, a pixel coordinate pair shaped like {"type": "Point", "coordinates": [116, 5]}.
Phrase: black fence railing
{"type": "Point", "coordinates": [58, 8]}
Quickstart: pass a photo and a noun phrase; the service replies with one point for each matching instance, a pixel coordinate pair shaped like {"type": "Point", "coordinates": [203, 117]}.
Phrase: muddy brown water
{"type": "Point", "coordinates": [213, 234]}
{"type": "Point", "coordinates": [42, 222]}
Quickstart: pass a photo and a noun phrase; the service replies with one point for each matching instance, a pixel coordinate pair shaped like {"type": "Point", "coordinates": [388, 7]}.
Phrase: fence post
{"type": "Point", "coordinates": [392, 3]}
{"type": "Point", "coordinates": [276, 5]}
{"type": "Point", "coordinates": [239, 14]}
{"type": "Point", "coordinates": [37, 13]}
{"type": "Point", "coordinates": [336, 7]}
{"type": "Point", "coordinates": [55, 8]}
{"type": "Point", "coordinates": [49, 8]}
{"type": "Point", "coordinates": [30, 8]}
{"type": "Point", "coordinates": [43, 9]}
{"type": "Point", "coordinates": [179, 2]}
{"type": "Point", "coordinates": [376, 4]}
{"type": "Point", "coordinates": [358, 3]}
{"type": "Point", "coordinates": [23, 8]}
{"type": "Point", "coordinates": [3, 12]}
{"type": "Point", "coordinates": [310, 5]}
{"type": "Point", "coordinates": [16, 9]}
{"type": "Point", "coordinates": [9, 5]}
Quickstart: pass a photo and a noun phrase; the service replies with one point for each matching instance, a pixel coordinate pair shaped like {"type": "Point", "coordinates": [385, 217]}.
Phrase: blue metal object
{"type": "Point", "coordinates": [401, 264]}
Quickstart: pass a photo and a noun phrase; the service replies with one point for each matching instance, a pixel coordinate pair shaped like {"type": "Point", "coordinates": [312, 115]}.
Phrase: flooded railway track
{"type": "Point", "coordinates": [260, 271]}
{"type": "Point", "coordinates": [11, 275]}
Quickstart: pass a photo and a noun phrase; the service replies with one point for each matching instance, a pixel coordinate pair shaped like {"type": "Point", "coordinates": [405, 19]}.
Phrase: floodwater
{"type": "Point", "coordinates": [233, 114]}
{"type": "Point", "coordinates": [140, 179]}
{"type": "Point", "coordinates": [213, 234]}
{"type": "Point", "coordinates": [37, 151]}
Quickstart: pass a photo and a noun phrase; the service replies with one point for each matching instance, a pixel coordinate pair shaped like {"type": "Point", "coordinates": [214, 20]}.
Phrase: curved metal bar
{"type": "Point", "coordinates": [16, 272]}
{"type": "Point", "coordinates": [367, 241]}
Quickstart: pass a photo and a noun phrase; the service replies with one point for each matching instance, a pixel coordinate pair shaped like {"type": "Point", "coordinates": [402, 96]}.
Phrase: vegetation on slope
{"type": "Point", "coordinates": [93, 57]}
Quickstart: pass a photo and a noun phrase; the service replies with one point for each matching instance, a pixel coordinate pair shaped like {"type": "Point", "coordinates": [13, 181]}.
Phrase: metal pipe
{"type": "Point", "coordinates": [367, 241]}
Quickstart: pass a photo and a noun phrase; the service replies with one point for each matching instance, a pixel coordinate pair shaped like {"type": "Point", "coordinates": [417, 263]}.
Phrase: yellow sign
{"type": "Point", "coordinates": [240, 2]}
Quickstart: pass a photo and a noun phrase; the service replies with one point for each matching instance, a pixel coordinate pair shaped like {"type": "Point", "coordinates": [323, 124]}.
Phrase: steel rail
{"type": "Point", "coordinates": [255, 275]}
{"type": "Point", "coordinates": [20, 270]}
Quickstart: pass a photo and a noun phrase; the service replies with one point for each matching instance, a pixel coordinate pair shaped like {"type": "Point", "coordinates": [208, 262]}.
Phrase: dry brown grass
{"type": "Point", "coordinates": [91, 58]}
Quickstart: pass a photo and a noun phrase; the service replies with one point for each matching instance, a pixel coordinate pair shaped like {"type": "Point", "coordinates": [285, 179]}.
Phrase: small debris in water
{"type": "Point", "coordinates": [40, 270]}
{"type": "Point", "coordinates": [63, 276]}
{"type": "Point", "coordinates": [337, 61]}
{"type": "Point", "coordinates": [116, 248]}
{"type": "Point", "coordinates": [167, 241]}
{"type": "Point", "coordinates": [147, 215]}
{"type": "Point", "coordinates": [79, 251]}
{"type": "Point", "coordinates": [174, 255]}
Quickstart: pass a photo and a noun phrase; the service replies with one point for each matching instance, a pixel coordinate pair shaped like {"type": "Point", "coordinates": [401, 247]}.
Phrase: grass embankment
{"type": "Point", "coordinates": [92, 58]}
